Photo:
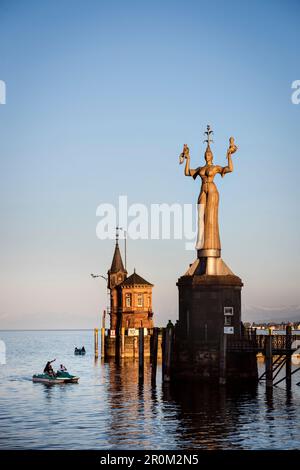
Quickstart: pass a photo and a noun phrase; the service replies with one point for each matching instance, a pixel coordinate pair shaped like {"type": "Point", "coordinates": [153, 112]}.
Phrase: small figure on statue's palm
{"type": "Point", "coordinates": [185, 154]}
{"type": "Point", "coordinates": [232, 147]}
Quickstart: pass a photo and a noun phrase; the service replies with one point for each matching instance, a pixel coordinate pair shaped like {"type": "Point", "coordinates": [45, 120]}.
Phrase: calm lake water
{"type": "Point", "coordinates": [109, 410]}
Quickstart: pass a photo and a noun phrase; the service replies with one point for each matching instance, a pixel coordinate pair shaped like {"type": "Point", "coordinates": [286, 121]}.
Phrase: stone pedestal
{"type": "Point", "coordinates": [209, 307]}
{"type": "Point", "coordinates": [208, 303]}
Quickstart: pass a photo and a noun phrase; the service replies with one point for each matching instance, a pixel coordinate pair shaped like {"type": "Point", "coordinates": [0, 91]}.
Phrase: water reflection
{"type": "Point", "coordinates": [207, 414]}
{"type": "Point", "coordinates": [200, 416]}
{"type": "Point", "coordinates": [111, 409]}
{"type": "Point", "coordinates": [129, 401]}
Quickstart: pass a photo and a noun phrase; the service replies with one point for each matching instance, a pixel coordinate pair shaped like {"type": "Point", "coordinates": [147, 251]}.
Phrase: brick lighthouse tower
{"type": "Point", "coordinates": [130, 297]}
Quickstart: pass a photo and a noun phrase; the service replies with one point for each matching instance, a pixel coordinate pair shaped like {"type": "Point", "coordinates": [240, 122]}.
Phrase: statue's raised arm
{"type": "Point", "coordinates": [229, 167]}
{"type": "Point", "coordinates": [185, 155]}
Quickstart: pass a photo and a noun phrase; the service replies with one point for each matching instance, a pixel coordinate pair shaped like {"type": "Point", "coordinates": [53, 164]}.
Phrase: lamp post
{"type": "Point", "coordinates": [99, 275]}
{"type": "Point", "coordinates": [94, 276]}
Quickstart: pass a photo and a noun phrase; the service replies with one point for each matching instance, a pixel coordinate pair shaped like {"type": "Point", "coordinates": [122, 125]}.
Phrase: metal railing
{"type": "Point", "coordinates": [251, 341]}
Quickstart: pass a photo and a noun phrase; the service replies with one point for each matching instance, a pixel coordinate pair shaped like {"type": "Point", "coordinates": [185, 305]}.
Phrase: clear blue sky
{"type": "Point", "coordinates": [101, 96]}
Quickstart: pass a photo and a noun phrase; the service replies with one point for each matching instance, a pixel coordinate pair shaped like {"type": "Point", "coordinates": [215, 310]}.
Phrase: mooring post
{"type": "Point", "coordinates": [223, 352]}
{"type": "Point", "coordinates": [102, 342]}
{"type": "Point", "coordinates": [135, 347]}
{"type": "Point", "coordinates": [269, 361]}
{"type": "Point", "coordinates": [96, 342]}
{"type": "Point", "coordinates": [154, 355]}
{"type": "Point", "coordinates": [167, 353]}
{"type": "Point", "coordinates": [163, 348]}
{"type": "Point", "coordinates": [122, 349]}
{"type": "Point", "coordinates": [165, 356]}
{"type": "Point", "coordinates": [288, 364]}
{"type": "Point", "coordinates": [103, 318]}
{"type": "Point", "coordinates": [141, 353]}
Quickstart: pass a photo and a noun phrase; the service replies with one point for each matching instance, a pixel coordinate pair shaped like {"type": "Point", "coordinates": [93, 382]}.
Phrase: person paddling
{"type": "Point", "coordinates": [48, 368]}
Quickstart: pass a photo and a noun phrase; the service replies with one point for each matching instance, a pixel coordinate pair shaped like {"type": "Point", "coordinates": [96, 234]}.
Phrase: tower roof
{"type": "Point", "coordinates": [117, 263]}
{"type": "Point", "coordinates": [135, 279]}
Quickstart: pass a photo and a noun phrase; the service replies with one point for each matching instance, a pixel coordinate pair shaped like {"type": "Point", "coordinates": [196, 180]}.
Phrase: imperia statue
{"type": "Point", "coordinates": [208, 240]}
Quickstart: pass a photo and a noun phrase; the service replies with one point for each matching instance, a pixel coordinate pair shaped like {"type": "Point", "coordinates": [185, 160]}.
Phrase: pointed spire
{"type": "Point", "coordinates": [117, 263]}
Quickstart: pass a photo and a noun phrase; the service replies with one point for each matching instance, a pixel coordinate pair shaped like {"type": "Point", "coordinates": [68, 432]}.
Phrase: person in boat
{"type": "Point", "coordinates": [49, 369]}
{"type": "Point", "coordinates": [83, 349]}
{"type": "Point", "coordinates": [62, 368]}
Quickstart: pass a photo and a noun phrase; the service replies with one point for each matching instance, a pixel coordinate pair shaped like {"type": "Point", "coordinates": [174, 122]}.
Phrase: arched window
{"type": "Point", "coordinates": [128, 300]}
{"type": "Point", "coordinates": [140, 300]}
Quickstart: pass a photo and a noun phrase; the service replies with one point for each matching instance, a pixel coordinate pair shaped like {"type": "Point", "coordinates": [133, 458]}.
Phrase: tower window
{"type": "Point", "coordinates": [228, 310]}
{"type": "Point", "coordinates": [228, 316]}
{"type": "Point", "coordinates": [140, 300]}
{"type": "Point", "coordinates": [128, 300]}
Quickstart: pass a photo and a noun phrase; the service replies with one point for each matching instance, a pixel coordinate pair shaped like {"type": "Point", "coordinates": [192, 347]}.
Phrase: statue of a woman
{"type": "Point", "coordinates": [208, 240]}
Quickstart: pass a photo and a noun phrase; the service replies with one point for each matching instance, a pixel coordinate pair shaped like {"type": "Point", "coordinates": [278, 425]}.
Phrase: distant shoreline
{"type": "Point", "coordinates": [49, 329]}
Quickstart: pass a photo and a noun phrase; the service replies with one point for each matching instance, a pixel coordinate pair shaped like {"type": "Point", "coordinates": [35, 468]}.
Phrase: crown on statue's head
{"type": "Point", "coordinates": [208, 140]}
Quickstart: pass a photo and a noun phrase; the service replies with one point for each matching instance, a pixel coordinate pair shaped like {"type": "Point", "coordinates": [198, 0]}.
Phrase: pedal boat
{"type": "Point", "coordinates": [60, 378]}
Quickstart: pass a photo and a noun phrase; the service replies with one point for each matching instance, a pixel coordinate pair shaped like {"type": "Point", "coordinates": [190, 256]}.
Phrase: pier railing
{"type": "Point", "coordinates": [250, 341]}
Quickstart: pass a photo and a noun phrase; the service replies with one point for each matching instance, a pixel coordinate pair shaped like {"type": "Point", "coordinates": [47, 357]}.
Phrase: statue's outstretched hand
{"type": "Point", "coordinates": [232, 150]}
{"type": "Point", "coordinates": [232, 147]}
{"type": "Point", "coordinates": [185, 154]}
{"type": "Point", "coordinates": [186, 151]}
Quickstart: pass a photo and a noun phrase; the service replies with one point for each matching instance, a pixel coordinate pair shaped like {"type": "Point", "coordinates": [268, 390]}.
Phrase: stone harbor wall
{"type": "Point", "coordinates": [202, 362]}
